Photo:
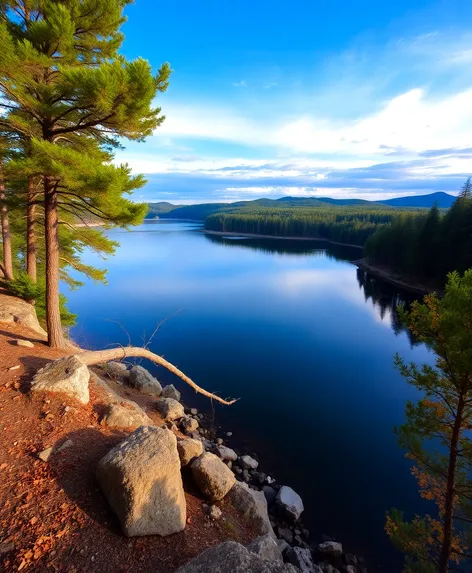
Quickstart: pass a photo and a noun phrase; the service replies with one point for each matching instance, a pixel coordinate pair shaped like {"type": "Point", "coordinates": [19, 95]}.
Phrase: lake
{"type": "Point", "coordinates": [300, 335]}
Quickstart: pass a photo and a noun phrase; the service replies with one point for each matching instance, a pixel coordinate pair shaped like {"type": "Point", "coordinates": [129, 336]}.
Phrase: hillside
{"type": "Point", "coordinates": [202, 211]}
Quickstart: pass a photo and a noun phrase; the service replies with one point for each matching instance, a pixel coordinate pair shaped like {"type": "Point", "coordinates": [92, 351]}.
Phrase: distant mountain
{"type": "Point", "coordinates": [441, 199]}
{"type": "Point", "coordinates": [201, 211]}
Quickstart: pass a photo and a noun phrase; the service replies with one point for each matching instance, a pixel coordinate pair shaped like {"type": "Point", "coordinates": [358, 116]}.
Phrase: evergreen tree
{"type": "Point", "coordinates": [436, 432]}
{"type": "Point", "coordinates": [69, 91]}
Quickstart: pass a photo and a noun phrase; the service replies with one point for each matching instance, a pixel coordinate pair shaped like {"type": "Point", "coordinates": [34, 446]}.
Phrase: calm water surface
{"type": "Point", "coordinates": [296, 332]}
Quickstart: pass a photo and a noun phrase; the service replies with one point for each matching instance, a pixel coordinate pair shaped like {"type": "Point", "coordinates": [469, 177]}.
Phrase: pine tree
{"type": "Point", "coordinates": [436, 432]}
{"type": "Point", "coordinates": [70, 92]}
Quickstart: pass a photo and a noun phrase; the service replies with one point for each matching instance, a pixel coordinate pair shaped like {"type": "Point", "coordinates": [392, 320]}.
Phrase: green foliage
{"type": "Point", "coordinates": [24, 288]}
{"type": "Point", "coordinates": [425, 248]}
{"type": "Point", "coordinates": [436, 433]}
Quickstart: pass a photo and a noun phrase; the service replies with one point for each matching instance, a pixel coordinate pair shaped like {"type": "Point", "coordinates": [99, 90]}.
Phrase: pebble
{"type": "Point", "coordinates": [193, 411]}
{"type": "Point", "coordinates": [229, 434]}
{"type": "Point", "coordinates": [215, 512]}
{"type": "Point", "coordinates": [14, 367]}
{"type": "Point", "coordinates": [24, 343]}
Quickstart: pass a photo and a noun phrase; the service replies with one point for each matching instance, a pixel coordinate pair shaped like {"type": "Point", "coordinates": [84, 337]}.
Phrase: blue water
{"type": "Point", "coordinates": [303, 338]}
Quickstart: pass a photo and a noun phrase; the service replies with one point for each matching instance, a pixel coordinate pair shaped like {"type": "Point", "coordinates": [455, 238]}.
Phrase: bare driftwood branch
{"type": "Point", "coordinates": [92, 357]}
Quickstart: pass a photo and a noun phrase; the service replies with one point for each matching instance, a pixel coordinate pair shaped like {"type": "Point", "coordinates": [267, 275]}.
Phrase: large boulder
{"type": "Point", "coordinates": [143, 381]}
{"type": "Point", "coordinates": [67, 375]}
{"type": "Point", "coordinates": [17, 311]}
{"type": "Point", "coordinates": [125, 415]}
{"type": "Point", "coordinates": [252, 505]}
{"type": "Point", "coordinates": [212, 476]}
{"type": "Point", "coordinates": [170, 409]}
{"type": "Point", "coordinates": [189, 449]}
{"type": "Point", "coordinates": [171, 391]}
{"type": "Point", "coordinates": [231, 557]}
{"type": "Point", "coordinates": [266, 548]}
{"type": "Point", "coordinates": [141, 480]}
{"type": "Point", "coordinates": [289, 502]}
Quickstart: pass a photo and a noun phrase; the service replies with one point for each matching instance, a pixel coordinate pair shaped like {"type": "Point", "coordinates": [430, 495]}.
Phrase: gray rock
{"type": "Point", "coordinates": [193, 411]}
{"type": "Point", "coordinates": [302, 559]}
{"type": "Point", "coordinates": [125, 415]}
{"type": "Point", "coordinates": [253, 506]}
{"type": "Point", "coordinates": [189, 449]}
{"type": "Point", "coordinates": [141, 480]}
{"type": "Point", "coordinates": [282, 545]}
{"type": "Point", "coordinates": [266, 548]}
{"type": "Point", "coordinates": [289, 502]}
{"type": "Point", "coordinates": [188, 424]}
{"type": "Point", "coordinates": [330, 548]}
{"type": "Point", "coordinates": [286, 534]}
{"type": "Point", "coordinates": [219, 441]}
{"type": "Point", "coordinates": [143, 381]}
{"type": "Point", "coordinates": [226, 454]}
{"type": "Point", "coordinates": [229, 434]}
{"type": "Point", "coordinates": [170, 409]}
{"type": "Point", "coordinates": [24, 343]}
{"type": "Point", "coordinates": [215, 512]}
{"type": "Point", "coordinates": [17, 311]}
{"type": "Point", "coordinates": [212, 476]}
{"type": "Point", "coordinates": [46, 454]}
{"type": "Point", "coordinates": [115, 370]}
{"type": "Point", "coordinates": [270, 494]}
{"type": "Point", "coordinates": [231, 557]}
{"type": "Point", "coordinates": [248, 463]}
{"type": "Point", "coordinates": [68, 375]}
{"type": "Point", "coordinates": [171, 391]}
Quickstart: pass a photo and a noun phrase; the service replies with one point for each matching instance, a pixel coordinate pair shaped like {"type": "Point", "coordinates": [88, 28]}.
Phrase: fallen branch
{"type": "Point", "coordinates": [92, 357]}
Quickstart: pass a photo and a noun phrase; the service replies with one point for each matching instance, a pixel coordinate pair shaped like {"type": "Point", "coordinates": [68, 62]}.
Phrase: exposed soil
{"type": "Point", "coordinates": [53, 515]}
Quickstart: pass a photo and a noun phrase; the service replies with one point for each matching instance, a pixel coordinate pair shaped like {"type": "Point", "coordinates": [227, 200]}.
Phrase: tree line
{"type": "Point", "coordinates": [426, 247]}
{"type": "Point", "coordinates": [68, 98]}
{"type": "Point", "coordinates": [346, 224]}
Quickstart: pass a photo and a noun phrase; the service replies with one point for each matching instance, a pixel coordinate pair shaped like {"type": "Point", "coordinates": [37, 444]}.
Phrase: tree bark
{"type": "Point", "coordinates": [56, 337]}
{"type": "Point", "coordinates": [31, 232]}
{"type": "Point", "coordinates": [448, 528]}
{"type": "Point", "coordinates": [6, 237]}
{"type": "Point", "coordinates": [92, 357]}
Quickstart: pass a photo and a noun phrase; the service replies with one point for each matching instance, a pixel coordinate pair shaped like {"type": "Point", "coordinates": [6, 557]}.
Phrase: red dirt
{"type": "Point", "coordinates": [53, 516]}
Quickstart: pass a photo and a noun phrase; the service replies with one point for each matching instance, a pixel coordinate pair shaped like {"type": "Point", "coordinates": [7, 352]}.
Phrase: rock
{"type": "Point", "coordinates": [189, 449]}
{"type": "Point", "coordinates": [215, 512]}
{"type": "Point", "coordinates": [328, 568]}
{"type": "Point", "coordinates": [229, 434]}
{"type": "Point", "coordinates": [258, 477]}
{"type": "Point", "coordinates": [302, 559]}
{"type": "Point", "coordinates": [170, 409]}
{"type": "Point", "coordinates": [143, 381]}
{"type": "Point", "coordinates": [266, 548]}
{"type": "Point", "coordinates": [48, 452]}
{"type": "Point", "coordinates": [189, 425]}
{"type": "Point", "coordinates": [68, 375]}
{"type": "Point", "coordinates": [289, 502]}
{"type": "Point", "coordinates": [219, 441]}
{"type": "Point", "coordinates": [282, 545]}
{"type": "Point", "coordinates": [171, 391]}
{"type": "Point", "coordinates": [141, 480]}
{"type": "Point", "coordinates": [226, 454]}
{"type": "Point", "coordinates": [286, 534]}
{"type": "Point", "coordinates": [231, 557]}
{"type": "Point", "coordinates": [115, 369]}
{"type": "Point", "coordinates": [248, 463]}
{"type": "Point", "coordinates": [252, 505]}
{"type": "Point", "coordinates": [17, 367]}
{"type": "Point", "coordinates": [270, 494]}
{"type": "Point", "coordinates": [330, 549]}
{"type": "Point", "coordinates": [193, 411]}
{"type": "Point", "coordinates": [212, 476]}
{"type": "Point", "coordinates": [129, 415]}
{"type": "Point", "coordinates": [24, 343]}
{"type": "Point", "coordinates": [17, 311]}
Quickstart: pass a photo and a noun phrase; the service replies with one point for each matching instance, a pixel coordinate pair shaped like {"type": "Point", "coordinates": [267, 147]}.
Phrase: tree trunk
{"type": "Point", "coordinates": [92, 357]}
{"type": "Point", "coordinates": [30, 232]}
{"type": "Point", "coordinates": [448, 528]}
{"type": "Point", "coordinates": [7, 254]}
{"type": "Point", "coordinates": [51, 227]}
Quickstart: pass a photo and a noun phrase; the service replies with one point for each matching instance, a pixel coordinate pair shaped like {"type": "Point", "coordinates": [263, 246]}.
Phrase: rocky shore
{"type": "Point", "coordinates": [141, 455]}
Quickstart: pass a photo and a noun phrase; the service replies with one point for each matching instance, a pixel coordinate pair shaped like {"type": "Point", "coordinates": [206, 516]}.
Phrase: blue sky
{"type": "Point", "coordinates": [306, 98]}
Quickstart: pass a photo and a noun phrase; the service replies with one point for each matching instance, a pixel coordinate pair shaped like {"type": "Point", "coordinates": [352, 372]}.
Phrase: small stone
{"type": "Point", "coordinates": [229, 434]}
{"type": "Point", "coordinates": [219, 441]}
{"type": "Point", "coordinates": [330, 548]}
{"type": "Point", "coordinates": [188, 424]}
{"type": "Point", "coordinates": [226, 454]}
{"type": "Point", "coordinates": [171, 391]}
{"type": "Point", "coordinates": [170, 409]}
{"type": "Point", "coordinates": [215, 512]}
{"type": "Point", "coordinates": [189, 449]}
{"type": "Point", "coordinates": [17, 367]}
{"type": "Point", "coordinates": [286, 534]}
{"type": "Point", "coordinates": [45, 454]}
{"type": "Point", "coordinates": [24, 343]}
{"type": "Point", "coordinates": [193, 411]}
{"type": "Point", "coordinates": [248, 463]}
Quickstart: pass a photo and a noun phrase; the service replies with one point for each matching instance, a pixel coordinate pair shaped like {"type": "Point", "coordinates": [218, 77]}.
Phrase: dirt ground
{"type": "Point", "coordinates": [53, 516]}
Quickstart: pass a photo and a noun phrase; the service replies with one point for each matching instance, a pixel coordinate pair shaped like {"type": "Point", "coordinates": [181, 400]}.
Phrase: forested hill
{"type": "Point", "coordinates": [202, 211]}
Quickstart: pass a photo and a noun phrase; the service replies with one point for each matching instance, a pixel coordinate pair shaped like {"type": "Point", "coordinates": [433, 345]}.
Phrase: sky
{"type": "Point", "coordinates": [337, 98]}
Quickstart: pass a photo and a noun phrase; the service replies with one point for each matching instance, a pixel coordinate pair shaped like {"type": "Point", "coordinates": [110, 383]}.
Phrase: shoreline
{"type": "Point", "coordinates": [258, 236]}
{"type": "Point", "coordinates": [395, 280]}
